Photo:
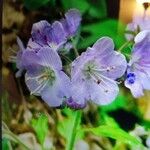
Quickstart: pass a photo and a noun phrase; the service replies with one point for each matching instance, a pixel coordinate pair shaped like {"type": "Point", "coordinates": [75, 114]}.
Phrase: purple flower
{"type": "Point", "coordinates": [18, 57]}
{"type": "Point", "coordinates": [44, 76]}
{"type": "Point", "coordinates": [55, 36]}
{"type": "Point", "coordinates": [138, 72]}
{"type": "Point", "coordinates": [71, 22]}
{"type": "Point", "coordinates": [94, 72]}
{"type": "Point", "coordinates": [139, 23]}
{"type": "Point", "coordinates": [45, 34]}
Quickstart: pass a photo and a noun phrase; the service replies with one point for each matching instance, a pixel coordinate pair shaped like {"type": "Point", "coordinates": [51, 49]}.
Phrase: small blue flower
{"type": "Point", "coordinates": [138, 71]}
{"type": "Point", "coordinates": [131, 78]}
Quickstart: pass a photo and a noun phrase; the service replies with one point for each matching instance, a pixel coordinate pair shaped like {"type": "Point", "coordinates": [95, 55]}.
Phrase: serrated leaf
{"type": "Point", "coordinates": [114, 133]}
{"type": "Point", "coordinates": [40, 126]}
{"type": "Point", "coordinates": [65, 127]}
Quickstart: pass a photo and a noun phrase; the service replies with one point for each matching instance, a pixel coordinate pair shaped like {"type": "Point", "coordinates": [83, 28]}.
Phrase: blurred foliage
{"type": "Point", "coordinates": [112, 130]}
{"type": "Point", "coordinates": [107, 27]}
{"type": "Point", "coordinates": [35, 4]}
{"type": "Point", "coordinates": [40, 126]}
{"type": "Point", "coordinates": [68, 123]}
{"type": "Point", "coordinates": [6, 145]}
{"type": "Point", "coordinates": [6, 111]}
{"type": "Point", "coordinates": [95, 9]}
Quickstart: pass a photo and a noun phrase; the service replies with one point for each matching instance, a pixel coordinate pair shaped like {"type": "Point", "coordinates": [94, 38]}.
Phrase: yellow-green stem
{"type": "Point", "coordinates": [76, 122]}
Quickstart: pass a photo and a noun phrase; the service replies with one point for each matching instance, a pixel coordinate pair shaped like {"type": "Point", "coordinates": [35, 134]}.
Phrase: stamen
{"type": "Point", "coordinates": [39, 88]}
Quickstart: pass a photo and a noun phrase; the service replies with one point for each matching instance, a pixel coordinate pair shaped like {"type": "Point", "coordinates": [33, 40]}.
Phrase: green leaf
{"type": "Point", "coordinates": [107, 27]}
{"type": "Point", "coordinates": [98, 9]}
{"type": "Point", "coordinates": [65, 126]}
{"type": "Point", "coordinates": [114, 133]}
{"type": "Point", "coordinates": [109, 121]}
{"type": "Point", "coordinates": [82, 5]}
{"type": "Point", "coordinates": [35, 4]}
{"type": "Point", "coordinates": [40, 126]}
{"type": "Point", "coordinates": [6, 145]}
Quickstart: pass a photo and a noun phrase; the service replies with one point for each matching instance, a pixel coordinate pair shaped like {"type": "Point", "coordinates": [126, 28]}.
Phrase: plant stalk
{"type": "Point", "coordinates": [76, 122]}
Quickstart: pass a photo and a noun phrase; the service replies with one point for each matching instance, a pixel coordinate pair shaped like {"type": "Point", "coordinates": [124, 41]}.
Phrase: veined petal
{"type": "Point", "coordinates": [145, 80]}
{"type": "Point", "coordinates": [39, 26]}
{"type": "Point", "coordinates": [45, 57]}
{"type": "Point", "coordinates": [136, 89]}
{"type": "Point", "coordinates": [33, 46]}
{"type": "Point", "coordinates": [58, 33]}
{"type": "Point", "coordinates": [49, 57]}
{"type": "Point", "coordinates": [103, 93]}
{"type": "Point", "coordinates": [38, 34]}
{"type": "Point", "coordinates": [115, 65]}
{"type": "Point", "coordinates": [32, 81]}
{"type": "Point", "coordinates": [30, 60]}
{"type": "Point", "coordinates": [71, 22]}
{"type": "Point", "coordinates": [104, 46]}
{"type": "Point", "coordinates": [79, 92]}
{"type": "Point", "coordinates": [141, 36]}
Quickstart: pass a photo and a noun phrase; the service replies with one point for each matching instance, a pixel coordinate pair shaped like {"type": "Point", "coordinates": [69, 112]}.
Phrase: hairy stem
{"type": "Point", "coordinates": [76, 122]}
{"type": "Point", "coordinates": [124, 46]}
{"type": "Point", "coordinates": [74, 47]}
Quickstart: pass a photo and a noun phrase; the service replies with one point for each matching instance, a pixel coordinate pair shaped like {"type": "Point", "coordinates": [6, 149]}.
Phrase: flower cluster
{"type": "Point", "coordinates": [93, 74]}
{"type": "Point", "coordinates": [138, 24]}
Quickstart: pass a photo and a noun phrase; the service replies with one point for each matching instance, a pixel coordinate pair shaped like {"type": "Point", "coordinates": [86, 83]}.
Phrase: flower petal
{"type": "Point", "coordinates": [34, 86]}
{"type": "Point", "coordinates": [71, 22]}
{"type": "Point", "coordinates": [38, 34]}
{"type": "Point", "coordinates": [49, 57]}
{"type": "Point", "coordinates": [145, 80]}
{"type": "Point", "coordinates": [57, 33]}
{"type": "Point", "coordinates": [51, 98]}
{"type": "Point", "coordinates": [104, 46]}
{"type": "Point", "coordinates": [45, 57]}
{"type": "Point", "coordinates": [104, 92]}
{"type": "Point", "coordinates": [135, 88]}
{"type": "Point", "coordinates": [79, 92]}
{"type": "Point", "coordinates": [141, 36]}
{"type": "Point", "coordinates": [115, 65]}
{"type": "Point", "coordinates": [60, 91]}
